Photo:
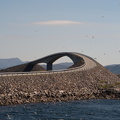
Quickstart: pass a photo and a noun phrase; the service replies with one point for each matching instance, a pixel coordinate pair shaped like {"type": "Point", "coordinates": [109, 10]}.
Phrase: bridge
{"type": "Point", "coordinates": [80, 63]}
{"type": "Point", "coordinates": [79, 60]}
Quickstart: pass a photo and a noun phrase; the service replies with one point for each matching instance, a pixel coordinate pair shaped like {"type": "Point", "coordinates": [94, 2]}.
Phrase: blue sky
{"type": "Point", "coordinates": [31, 29]}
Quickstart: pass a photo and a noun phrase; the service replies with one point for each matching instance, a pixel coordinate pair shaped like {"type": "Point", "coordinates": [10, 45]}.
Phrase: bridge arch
{"type": "Point", "coordinates": [49, 60]}
{"type": "Point", "coordinates": [62, 63]}
{"type": "Point", "coordinates": [57, 57]}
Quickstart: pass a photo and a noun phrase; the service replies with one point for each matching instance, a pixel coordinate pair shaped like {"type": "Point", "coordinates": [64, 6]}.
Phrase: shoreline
{"type": "Point", "coordinates": [64, 97]}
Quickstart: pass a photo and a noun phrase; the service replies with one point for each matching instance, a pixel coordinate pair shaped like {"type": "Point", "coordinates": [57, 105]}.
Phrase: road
{"type": "Point", "coordinates": [89, 64]}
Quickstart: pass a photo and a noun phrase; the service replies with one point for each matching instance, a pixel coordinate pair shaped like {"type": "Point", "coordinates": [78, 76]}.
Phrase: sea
{"type": "Point", "coordinates": [72, 110]}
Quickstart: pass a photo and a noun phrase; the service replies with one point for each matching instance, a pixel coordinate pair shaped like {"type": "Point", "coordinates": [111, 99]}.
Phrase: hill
{"type": "Point", "coordinates": [115, 68]}
{"type": "Point", "coordinates": [5, 63]}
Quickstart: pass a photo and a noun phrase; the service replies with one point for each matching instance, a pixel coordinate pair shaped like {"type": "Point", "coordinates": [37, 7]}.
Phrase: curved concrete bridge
{"type": "Point", "coordinates": [81, 63]}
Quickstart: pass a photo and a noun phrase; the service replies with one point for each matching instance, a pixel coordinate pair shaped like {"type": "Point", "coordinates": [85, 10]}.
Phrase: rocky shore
{"type": "Point", "coordinates": [55, 96]}
{"type": "Point", "coordinates": [96, 83]}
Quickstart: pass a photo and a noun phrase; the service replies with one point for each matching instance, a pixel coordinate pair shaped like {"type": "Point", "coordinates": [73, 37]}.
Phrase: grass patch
{"type": "Point", "coordinates": [108, 86]}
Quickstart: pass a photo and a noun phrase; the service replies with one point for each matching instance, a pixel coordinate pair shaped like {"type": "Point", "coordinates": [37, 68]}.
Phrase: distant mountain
{"type": "Point", "coordinates": [5, 63]}
{"type": "Point", "coordinates": [114, 68]}
{"type": "Point", "coordinates": [64, 65]}
{"type": "Point", "coordinates": [60, 66]}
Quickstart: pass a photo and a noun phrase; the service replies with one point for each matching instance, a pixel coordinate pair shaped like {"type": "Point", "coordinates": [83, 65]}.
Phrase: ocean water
{"type": "Point", "coordinates": [72, 110]}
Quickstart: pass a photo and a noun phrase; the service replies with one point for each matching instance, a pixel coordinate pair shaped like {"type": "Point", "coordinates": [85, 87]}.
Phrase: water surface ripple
{"type": "Point", "coordinates": [73, 110]}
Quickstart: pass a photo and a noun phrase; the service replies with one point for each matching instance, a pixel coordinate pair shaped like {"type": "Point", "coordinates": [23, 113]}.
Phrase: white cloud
{"type": "Point", "coordinates": [57, 22]}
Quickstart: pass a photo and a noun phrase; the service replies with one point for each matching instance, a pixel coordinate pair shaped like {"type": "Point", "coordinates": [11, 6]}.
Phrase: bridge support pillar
{"type": "Point", "coordinates": [49, 66]}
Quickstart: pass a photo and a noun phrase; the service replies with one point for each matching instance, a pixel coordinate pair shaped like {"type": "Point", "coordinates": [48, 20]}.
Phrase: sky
{"type": "Point", "coordinates": [31, 29]}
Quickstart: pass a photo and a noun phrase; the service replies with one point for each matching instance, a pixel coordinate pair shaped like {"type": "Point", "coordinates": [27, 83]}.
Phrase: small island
{"type": "Point", "coordinates": [30, 83]}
